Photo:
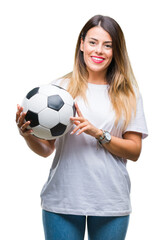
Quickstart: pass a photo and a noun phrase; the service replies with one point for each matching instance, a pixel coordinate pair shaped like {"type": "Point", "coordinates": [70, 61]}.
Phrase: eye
{"type": "Point", "coordinates": [108, 46]}
{"type": "Point", "coordinates": [92, 42]}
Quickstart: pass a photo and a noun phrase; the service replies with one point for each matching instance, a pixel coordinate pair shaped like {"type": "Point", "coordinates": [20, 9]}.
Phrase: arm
{"type": "Point", "coordinates": [129, 147]}
{"type": "Point", "coordinates": [41, 147]}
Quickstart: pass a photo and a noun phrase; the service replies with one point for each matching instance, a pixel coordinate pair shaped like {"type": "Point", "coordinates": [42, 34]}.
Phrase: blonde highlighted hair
{"type": "Point", "coordinates": [119, 76]}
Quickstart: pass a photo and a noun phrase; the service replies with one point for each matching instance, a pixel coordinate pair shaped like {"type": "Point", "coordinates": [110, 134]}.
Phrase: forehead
{"type": "Point", "coordinates": [98, 33]}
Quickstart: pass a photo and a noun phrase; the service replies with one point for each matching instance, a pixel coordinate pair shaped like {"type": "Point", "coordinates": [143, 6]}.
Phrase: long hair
{"type": "Point", "coordinates": [119, 76]}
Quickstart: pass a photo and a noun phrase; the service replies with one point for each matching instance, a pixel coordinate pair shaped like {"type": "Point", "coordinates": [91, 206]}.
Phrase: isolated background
{"type": "Point", "coordinates": [37, 45]}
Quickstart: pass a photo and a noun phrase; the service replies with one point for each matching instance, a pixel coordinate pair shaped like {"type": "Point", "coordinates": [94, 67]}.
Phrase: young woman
{"type": "Point", "coordinates": [88, 177]}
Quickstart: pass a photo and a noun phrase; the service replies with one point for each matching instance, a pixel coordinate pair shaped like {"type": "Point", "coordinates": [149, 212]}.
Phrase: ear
{"type": "Point", "coordinates": [82, 45]}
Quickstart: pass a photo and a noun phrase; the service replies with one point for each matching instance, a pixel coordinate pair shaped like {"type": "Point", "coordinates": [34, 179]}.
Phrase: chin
{"type": "Point", "coordinates": [96, 69]}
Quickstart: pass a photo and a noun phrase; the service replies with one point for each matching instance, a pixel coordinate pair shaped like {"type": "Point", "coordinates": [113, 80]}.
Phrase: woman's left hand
{"type": "Point", "coordinates": [83, 125]}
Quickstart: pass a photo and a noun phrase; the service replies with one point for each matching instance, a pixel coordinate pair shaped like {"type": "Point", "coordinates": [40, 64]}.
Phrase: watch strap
{"type": "Point", "coordinates": [103, 139]}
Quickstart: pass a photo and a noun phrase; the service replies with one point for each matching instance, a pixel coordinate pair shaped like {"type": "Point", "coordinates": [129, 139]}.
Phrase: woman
{"type": "Point", "coordinates": [88, 176]}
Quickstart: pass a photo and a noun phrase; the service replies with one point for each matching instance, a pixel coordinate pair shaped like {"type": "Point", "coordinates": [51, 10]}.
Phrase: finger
{"type": "Point", "coordinates": [26, 132]}
{"type": "Point", "coordinates": [81, 125]}
{"type": "Point", "coordinates": [80, 119]}
{"type": "Point", "coordinates": [78, 110]}
{"type": "Point", "coordinates": [21, 120]}
{"type": "Point", "coordinates": [24, 126]}
{"type": "Point", "coordinates": [76, 123]}
{"type": "Point", "coordinates": [82, 130]}
{"type": "Point", "coordinates": [19, 110]}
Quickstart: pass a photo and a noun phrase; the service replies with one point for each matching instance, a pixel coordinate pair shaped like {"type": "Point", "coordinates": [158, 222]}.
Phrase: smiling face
{"type": "Point", "coordinates": [97, 50]}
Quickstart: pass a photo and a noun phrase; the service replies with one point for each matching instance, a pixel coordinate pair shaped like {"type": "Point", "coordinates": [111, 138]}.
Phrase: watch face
{"type": "Point", "coordinates": [107, 136]}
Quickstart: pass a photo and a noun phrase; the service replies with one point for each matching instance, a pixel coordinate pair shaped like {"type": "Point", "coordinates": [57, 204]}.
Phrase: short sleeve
{"type": "Point", "coordinates": [138, 123]}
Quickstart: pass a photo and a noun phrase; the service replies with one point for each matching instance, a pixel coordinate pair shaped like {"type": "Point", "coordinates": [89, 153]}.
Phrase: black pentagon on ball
{"type": "Point", "coordinates": [32, 92]}
{"type": "Point", "coordinates": [58, 130]}
{"type": "Point", "coordinates": [55, 102]}
{"type": "Point", "coordinates": [33, 118]}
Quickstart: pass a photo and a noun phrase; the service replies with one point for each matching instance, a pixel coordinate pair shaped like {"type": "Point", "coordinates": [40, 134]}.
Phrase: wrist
{"type": "Point", "coordinates": [99, 134]}
{"type": "Point", "coordinates": [104, 138]}
{"type": "Point", "coordinates": [28, 137]}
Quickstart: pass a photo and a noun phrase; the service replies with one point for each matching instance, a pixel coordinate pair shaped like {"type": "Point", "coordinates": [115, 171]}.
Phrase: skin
{"type": "Point", "coordinates": [97, 43]}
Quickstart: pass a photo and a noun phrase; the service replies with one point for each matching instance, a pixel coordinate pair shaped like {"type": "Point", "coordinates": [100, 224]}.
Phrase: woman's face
{"type": "Point", "coordinates": [97, 50]}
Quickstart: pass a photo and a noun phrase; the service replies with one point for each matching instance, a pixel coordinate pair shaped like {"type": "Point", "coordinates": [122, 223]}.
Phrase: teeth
{"type": "Point", "coordinates": [97, 59]}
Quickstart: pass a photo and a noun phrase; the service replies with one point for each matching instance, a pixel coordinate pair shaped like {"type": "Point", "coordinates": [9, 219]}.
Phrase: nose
{"type": "Point", "coordinates": [99, 49]}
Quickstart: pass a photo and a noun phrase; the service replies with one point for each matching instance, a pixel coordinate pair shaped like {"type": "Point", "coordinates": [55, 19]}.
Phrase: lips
{"type": "Point", "coordinates": [96, 59]}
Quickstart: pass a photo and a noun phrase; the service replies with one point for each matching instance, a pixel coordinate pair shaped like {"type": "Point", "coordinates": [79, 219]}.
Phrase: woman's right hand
{"type": "Point", "coordinates": [21, 124]}
{"type": "Point", "coordinates": [40, 146]}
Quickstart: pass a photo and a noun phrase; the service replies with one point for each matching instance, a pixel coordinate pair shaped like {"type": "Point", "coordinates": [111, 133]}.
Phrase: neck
{"type": "Point", "coordinates": [97, 78]}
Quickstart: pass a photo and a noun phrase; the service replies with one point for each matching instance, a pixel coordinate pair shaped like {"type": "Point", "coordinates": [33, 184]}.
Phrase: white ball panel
{"type": "Point", "coordinates": [65, 113]}
{"type": "Point", "coordinates": [48, 118]}
{"type": "Point", "coordinates": [37, 103]}
{"type": "Point", "coordinates": [49, 90]}
{"type": "Point", "coordinates": [25, 104]}
{"type": "Point", "coordinates": [42, 132]}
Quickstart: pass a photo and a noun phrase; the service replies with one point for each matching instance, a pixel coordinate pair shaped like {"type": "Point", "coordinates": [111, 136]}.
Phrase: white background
{"type": "Point", "coordinates": [37, 45]}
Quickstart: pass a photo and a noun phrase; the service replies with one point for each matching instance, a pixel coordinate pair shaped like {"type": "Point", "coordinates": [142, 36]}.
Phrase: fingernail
{"type": "Point", "coordinates": [71, 133]}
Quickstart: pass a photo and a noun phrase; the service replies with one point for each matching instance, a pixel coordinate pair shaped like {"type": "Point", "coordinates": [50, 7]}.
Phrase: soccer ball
{"type": "Point", "coordinates": [49, 108]}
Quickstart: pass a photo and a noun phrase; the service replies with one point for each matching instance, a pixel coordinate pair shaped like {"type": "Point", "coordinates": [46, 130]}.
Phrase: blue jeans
{"type": "Point", "coordinates": [72, 227]}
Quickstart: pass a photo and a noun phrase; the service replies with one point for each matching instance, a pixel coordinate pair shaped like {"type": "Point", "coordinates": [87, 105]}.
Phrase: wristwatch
{"type": "Point", "coordinates": [105, 138]}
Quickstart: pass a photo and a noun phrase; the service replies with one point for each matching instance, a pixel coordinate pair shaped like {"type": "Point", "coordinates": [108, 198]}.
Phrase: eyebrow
{"type": "Point", "coordinates": [104, 42]}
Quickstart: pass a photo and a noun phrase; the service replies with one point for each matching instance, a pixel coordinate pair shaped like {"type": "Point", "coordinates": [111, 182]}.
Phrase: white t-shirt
{"type": "Point", "coordinates": [86, 179]}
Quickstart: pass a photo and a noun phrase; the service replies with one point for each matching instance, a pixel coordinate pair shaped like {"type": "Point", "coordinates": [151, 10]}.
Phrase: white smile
{"type": "Point", "coordinates": [97, 59]}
